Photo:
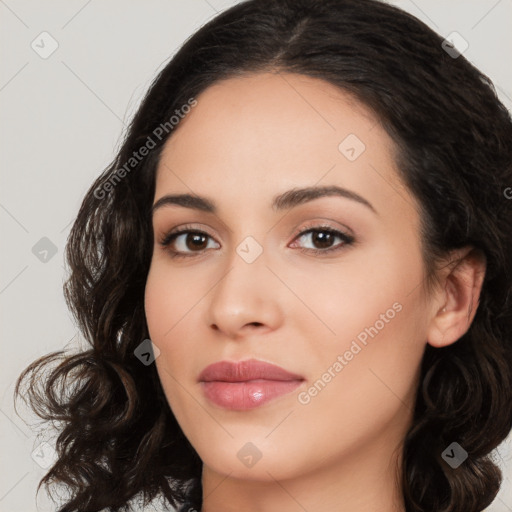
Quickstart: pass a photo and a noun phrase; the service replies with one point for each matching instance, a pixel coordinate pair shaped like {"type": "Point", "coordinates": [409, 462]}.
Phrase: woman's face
{"type": "Point", "coordinates": [348, 322]}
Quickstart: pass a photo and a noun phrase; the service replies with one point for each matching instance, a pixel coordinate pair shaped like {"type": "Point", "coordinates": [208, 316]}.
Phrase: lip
{"type": "Point", "coordinates": [244, 385]}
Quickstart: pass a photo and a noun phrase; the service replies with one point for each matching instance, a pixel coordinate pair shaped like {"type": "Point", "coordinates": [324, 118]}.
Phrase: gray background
{"type": "Point", "coordinates": [62, 120]}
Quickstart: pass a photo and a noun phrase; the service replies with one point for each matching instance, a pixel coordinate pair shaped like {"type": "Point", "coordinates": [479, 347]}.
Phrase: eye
{"type": "Point", "coordinates": [185, 238]}
{"type": "Point", "coordinates": [324, 237]}
{"type": "Point", "coordinates": [188, 242]}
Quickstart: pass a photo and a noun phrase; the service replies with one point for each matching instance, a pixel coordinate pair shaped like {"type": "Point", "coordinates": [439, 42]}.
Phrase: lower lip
{"type": "Point", "coordinates": [242, 396]}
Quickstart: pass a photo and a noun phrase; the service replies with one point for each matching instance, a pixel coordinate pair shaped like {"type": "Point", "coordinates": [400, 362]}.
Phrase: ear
{"type": "Point", "coordinates": [458, 296]}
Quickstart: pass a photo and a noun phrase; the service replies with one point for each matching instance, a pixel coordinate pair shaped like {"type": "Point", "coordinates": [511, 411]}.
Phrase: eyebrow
{"type": "Point", "coordinates": [285, 201]}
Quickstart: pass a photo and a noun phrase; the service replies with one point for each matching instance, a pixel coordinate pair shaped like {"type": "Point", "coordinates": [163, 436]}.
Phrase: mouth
{"type": "Point", "coordinates": [246, 384]}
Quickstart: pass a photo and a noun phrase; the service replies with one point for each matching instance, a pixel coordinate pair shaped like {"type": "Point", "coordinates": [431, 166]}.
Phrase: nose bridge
{"type": "Point", "coordinates": [246, 269]}
{"type": "Point", "coordinates": [246, 291]}
{"type": "Point", "coordinates": [249, 242]}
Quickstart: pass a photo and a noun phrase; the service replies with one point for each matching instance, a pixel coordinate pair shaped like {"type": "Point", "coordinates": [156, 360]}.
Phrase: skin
{"type": "Point", "coordinates": [247, 140]}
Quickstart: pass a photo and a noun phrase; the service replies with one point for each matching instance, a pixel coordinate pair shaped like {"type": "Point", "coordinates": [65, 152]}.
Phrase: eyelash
{"type": "Point", "coordinates": [168, 238]}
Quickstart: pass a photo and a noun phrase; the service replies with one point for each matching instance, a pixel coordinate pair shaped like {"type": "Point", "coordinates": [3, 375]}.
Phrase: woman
{"type": "Point", "coordinates": [295, 277]}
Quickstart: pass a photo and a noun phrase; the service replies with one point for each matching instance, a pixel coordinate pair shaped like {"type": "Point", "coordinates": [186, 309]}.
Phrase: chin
{"type": "Point", "coordinates": [253, 457]}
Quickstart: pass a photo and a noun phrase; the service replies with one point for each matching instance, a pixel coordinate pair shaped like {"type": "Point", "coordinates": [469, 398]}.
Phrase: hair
{"type": "Point", "coordinates": [118, 438]}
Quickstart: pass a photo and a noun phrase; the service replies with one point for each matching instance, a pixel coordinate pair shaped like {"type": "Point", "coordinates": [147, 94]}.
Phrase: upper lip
{"type": "Point", "coordinates": [240, 371]}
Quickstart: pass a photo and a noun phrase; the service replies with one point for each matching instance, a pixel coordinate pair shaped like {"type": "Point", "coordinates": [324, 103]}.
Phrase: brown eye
{"type": "Point", "coordinates": [186, 242]}
{"type": "Point", "coordinates": [322, 239]}
{"type": "Point", "coordinates": [195, 241]}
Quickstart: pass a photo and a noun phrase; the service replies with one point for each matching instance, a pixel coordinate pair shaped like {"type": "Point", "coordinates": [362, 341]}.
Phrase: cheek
{"type": "Point", "coordinates": [364, 381]}
{"type": "Point", "coordinates": [169, 298]}
{"type": "Point", "coordinates": [366, 351]}
{"type": "Point", "coordinates": [358, 295]}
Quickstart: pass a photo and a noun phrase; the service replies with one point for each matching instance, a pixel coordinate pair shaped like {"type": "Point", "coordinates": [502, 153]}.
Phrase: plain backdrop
{"type": "Point", "coordinates": [63, 116]}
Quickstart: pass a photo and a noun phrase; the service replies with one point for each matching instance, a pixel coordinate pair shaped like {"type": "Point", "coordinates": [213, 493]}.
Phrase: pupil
{"type": "Point", "coordinates": [323, 237]}
{"type": "Point", "coordinates": [196, 237]}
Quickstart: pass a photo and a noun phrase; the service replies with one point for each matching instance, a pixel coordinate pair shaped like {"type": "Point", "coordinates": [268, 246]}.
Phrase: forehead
{"type": "Point", "coordinates": [278, 111]}
{"type": "Point", "coordinates": [277, 130]}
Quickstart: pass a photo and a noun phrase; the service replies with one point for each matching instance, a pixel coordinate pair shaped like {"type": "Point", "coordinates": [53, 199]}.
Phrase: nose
{"type": "Point", "coordinates": [245, 298]}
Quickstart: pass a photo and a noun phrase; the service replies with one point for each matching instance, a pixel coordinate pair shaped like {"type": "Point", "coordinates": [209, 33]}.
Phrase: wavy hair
{"type": "Point", "coordinates": [118, 438]}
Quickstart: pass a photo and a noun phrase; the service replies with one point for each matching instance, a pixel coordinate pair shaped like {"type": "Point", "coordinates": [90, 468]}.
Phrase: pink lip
{"type": "Point", "coordinates": [246, 384]}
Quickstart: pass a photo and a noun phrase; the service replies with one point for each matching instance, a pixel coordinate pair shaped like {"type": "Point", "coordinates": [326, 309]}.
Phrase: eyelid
{"type": "Point", "coordinates": [186, 228]}
{"type": "Point", "coordinates": [323, 223]}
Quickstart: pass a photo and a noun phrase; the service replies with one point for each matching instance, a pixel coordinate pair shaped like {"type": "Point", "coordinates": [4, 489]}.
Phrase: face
{"type": "Point", "coordinates": [326, 286]}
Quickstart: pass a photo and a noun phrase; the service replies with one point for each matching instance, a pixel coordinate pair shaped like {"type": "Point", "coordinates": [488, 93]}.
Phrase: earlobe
{"type": "Point", "coordinates": [459, 297]}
